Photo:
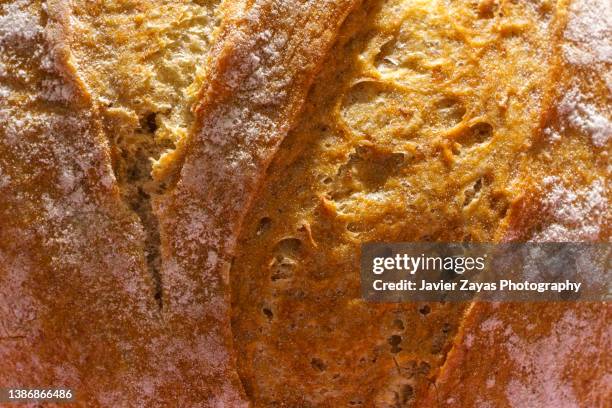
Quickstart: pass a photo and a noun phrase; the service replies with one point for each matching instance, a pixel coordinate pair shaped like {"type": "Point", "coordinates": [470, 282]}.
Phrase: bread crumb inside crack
{"type": "Point", "coordinates": [143, 67]}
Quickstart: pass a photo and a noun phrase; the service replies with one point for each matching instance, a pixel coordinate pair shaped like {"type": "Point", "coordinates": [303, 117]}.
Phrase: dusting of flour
{"type": "Point", "coordinates": [544, 360]}
{"type": "Point", "coordinates": [589, 32]}
{"type": "Point", "coordinates": [587, 44]}
{"type": "Point", "coordinates": [576, 215]}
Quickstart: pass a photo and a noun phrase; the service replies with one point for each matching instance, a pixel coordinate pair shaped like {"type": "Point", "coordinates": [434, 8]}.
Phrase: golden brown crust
{"type": "Point", "coordinates": [259, 75]}
{"type": "Point", "coordinates": [528, 355]}
{"type": "Point", "coordinates": [494, 129]}
{"type": "Point", "coordinates": [415, 129]}
{"type": "Point", "coordinates": [77, 302]}
{"type": "Point", "coordinates": [534, 354]}
{"type": "Point", "coordinates": [63, 305]}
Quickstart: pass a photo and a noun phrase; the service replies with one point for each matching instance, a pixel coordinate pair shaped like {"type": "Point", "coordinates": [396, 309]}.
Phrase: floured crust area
{"type": "Point", "coordinates": [73, 292]}
{"type": "Point", "coordinates": [127, 218]}
{"type": "Point", "coordinates": [80, 82]}
{"type": "Point", "coordinates": [78, 305]}
{"type": "Point", "coordinates": [528, 355]}
{"type": "Point", "coordinates": [540, 355]}
{"type": "Point", "coordinates": [413, 131]}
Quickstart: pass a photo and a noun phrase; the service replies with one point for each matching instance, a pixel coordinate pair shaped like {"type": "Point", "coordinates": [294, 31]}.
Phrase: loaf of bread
{"type": "Point", "coordinates": [185, 187]}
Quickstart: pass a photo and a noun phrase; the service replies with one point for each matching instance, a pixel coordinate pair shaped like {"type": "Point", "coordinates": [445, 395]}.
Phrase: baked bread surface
{"type": "Point", "coordinates": [113, 277]}
{"type": "Point", "coordinates": [80, 306]}
{"type": "Point", "coordinates": [550, 354]}
{"type": "Point", "coordinates": [430, 121]}
{"type": "Point", "coordinates": [150, 254]}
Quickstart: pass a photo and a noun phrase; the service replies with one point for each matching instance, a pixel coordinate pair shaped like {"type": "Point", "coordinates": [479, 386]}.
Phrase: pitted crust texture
{"type": "Point", "coordinates": [163, 244]}
{"type": "Point", "coordinates": [426, 123]}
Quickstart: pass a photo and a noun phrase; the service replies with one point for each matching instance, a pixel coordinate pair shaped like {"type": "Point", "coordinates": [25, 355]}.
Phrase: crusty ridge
{"type": "Point", "coordinates": [71, 255]}
{"type": "Point", "coordinates": [259, 76]}
{"type": "Point", "coordinates": [550, 354]}
{"type": "Point", "coordinates": [73, 269]}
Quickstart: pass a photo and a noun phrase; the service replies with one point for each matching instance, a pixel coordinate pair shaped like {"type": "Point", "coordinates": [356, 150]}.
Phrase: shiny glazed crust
{"type": "Point", "coordinates": [223, 273]}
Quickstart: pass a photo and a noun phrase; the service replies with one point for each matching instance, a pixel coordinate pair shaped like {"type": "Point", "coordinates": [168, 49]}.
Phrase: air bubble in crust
{"type": "Point", "coordinates": [264, 225]}
{"type": "Point", "coordinates": [318, 364]}
{"type": "Point", "coordinates": [394, 341]}
{"type": "Point", "coordinates": [475, 135]}
{"type": "Point", "coordinates": [371, 109]}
